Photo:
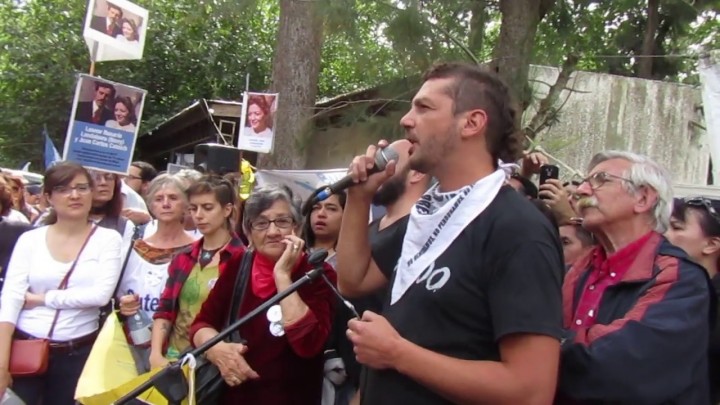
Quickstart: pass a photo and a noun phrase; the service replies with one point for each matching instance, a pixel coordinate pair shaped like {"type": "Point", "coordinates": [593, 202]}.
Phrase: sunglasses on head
{"type": "Point", "coordinates": [703, 202]}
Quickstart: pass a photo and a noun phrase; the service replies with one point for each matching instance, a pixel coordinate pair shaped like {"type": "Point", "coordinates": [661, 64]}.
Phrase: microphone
{"type": "Point", "coordinates": [382, 158]}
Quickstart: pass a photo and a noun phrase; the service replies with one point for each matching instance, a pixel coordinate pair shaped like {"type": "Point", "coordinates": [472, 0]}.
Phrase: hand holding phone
{"type": "Point", "coordinates": [548, 172]}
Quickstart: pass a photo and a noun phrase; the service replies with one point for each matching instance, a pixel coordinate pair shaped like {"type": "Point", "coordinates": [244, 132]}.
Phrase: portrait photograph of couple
{"type": "Point", "coordinates": [117, 24]}
{"type": "Point", "coordinates": [109, 104]}
{"type": "Point", "coordinates": [256, 132]}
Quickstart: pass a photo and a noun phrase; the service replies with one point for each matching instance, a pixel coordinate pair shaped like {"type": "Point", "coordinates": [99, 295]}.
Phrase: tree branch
{"type": "Point", "coordinates": [546, 111]}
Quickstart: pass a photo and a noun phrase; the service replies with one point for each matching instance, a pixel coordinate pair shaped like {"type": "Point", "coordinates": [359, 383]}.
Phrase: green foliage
{"type": "Point", "coordinates": [607, 34]}
{"type": "Point", "coordinates": [204, 48]}
{"type": "Point", "coordinates": [193, 50]}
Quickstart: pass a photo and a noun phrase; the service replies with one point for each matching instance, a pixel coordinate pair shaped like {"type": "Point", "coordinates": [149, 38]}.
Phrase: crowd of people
{"type": "Point", "coordinates": [475, 285]}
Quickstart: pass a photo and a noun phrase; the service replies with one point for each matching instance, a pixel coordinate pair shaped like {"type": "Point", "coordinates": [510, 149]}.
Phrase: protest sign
{"type": "Point", "coordinates": [104, 124]}
{"type": "Point", "coordinates": [115, 30]}
{"type": "Point", "coordinates": [257, 122]}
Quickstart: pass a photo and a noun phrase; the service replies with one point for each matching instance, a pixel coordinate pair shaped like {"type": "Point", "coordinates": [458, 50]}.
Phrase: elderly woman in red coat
{"type": "Point", "coordinates": [282, 360]}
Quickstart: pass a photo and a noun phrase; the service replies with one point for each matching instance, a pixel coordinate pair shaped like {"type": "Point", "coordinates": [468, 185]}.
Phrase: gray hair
{"type": "Point", "coordinates": [644, 172]}
{"type": "Point", "coordinates": [165, 180]}
{"type": "Point", "coordinates": [188, 176]}
{"type": "Point", "coordinates": [263, 197]}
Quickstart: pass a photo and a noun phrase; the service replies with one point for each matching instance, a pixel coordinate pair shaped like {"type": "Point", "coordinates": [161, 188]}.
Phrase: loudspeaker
{"type": "Point", "coordinates": [216, 158]}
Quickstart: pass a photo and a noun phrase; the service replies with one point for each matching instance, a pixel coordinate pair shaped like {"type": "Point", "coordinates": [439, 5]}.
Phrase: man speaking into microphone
{"type": "Point", "coordinates": [474, 309]}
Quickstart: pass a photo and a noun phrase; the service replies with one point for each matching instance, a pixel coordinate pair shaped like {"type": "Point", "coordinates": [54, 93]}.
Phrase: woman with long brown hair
{"type": "Point", "coordinates": [54, 290]}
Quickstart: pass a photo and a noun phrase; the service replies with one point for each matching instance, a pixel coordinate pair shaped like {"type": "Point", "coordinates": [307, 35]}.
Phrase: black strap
{"type": "Point", "coordinates": [241, 282]}
{"type": "Point", "coordinates": [137, 234]}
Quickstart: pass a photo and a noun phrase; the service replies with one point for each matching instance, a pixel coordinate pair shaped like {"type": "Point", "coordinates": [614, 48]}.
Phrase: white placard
{"type": "Point", "coordinates": [115, 30]}
{"type": "Point", "coordinates": [257, 122]}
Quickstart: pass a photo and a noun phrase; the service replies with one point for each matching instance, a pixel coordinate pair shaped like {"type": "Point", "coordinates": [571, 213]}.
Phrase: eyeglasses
{"type": "Point", "coordinates": [66, 191]}
{"type": "Point", "coordinates": [596, 180]}
{"type": "Point", "coordinates": [103, 176]}
{"type": "Point", "coordinates": [263, 224]}
{"type": "Point", "coordinates": [703, 202]}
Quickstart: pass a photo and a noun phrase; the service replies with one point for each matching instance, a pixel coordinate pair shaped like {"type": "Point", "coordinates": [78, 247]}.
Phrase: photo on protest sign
{"type": "Point", "coordinates": [257, 122]}
{"type": "Point", "coordinates": [115, 30]}
{"type": "Point", "coordinates": [104, 124]}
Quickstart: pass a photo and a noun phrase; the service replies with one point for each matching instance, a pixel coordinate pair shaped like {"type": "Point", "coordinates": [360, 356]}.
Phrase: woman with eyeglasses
{"type": "Point", "coordinates": [193, 274]}
{"type": "Point", "coordinates": [40, 300]}
{"type": "Point", "coordinates": [107, 205]}
{"type": "Point", "coordinates": [695, 227]}
{"type": "Point", "coordinates": [281, 361]}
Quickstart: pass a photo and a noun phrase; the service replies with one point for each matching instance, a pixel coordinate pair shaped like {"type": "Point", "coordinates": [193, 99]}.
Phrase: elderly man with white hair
{"type": "Point", "coordinates": [636, 309]}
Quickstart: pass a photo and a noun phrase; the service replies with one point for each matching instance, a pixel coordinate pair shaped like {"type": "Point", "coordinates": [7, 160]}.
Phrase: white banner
{"type": "Point", "coordinates": [301, 182]}
{"type": "Point", "coordinates": [115, 30]}
{"type": "Point", "coordinates": [709, 68]}
{"type": "Point", "coordinates": [304, 182]}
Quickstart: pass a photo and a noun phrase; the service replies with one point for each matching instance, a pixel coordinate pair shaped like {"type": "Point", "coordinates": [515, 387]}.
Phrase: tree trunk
{"type": "Point", "coordinates": [295, 70]}
{"type": "Point", "coordinates": [477, 26]}
{"type": "Point", "coordinates": [514, 48]}
{"type": "Point", "coordinates": [645, 65]}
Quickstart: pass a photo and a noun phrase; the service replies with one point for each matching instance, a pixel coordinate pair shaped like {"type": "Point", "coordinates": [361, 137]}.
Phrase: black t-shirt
{"type": "Point", "coordinates": [382, 243]}
{"type": "Point", "coordinates": [501, 275]}
{"type": "Point", "coordinates": [9, 234]}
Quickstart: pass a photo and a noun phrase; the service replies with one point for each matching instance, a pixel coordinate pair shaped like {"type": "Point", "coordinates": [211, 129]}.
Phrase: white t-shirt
{"type": "Point", "coordinates": [16, 216]}
{"type": "Point", "coordinates": [132, 198]}
{"type": "Point", "coordinates": [265, 133]}
{"type": "Point", "coordinates": [91, 285]}
{"type": "Point", "coordinates": [145, 279]}
{"type": "Point", "coordinates": [116, 125]}
{"type": "Point", "coordinates": [146, 273]}
{"type": "Point", "coordinates": [151, 228]}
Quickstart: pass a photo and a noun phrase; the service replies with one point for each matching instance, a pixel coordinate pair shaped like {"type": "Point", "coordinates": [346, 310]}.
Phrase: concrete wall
{"type": "Point", "coordinates": [609, 112]}
{"type": "Point", "coordinates": [614, 112]}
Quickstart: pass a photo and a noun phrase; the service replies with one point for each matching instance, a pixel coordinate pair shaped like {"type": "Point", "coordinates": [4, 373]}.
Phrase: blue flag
{"type": "Point", "coordinates": [52, 155]}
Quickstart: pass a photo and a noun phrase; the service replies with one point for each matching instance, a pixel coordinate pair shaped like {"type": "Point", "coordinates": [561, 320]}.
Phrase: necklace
{"type": "Point", "coordinates": [206, 255]}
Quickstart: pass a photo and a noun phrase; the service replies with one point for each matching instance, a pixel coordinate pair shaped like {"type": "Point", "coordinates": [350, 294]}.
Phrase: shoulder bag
{"type": "Point", "coordinates": [209, 384]}
{"type": "Point", "coordinates": [29, 357]}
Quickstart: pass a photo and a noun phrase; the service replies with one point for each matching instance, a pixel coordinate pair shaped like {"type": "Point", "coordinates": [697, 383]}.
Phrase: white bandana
{"type": "Point", "coordinates": [436, 220]}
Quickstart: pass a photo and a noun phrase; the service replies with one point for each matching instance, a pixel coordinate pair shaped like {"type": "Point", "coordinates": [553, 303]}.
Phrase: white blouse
{"type": "Point", "coordinates": [32, 268]}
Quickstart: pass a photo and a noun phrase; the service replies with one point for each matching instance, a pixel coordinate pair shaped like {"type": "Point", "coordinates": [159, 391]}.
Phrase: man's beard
{"type": "Point", "coordinates": [392, 190]}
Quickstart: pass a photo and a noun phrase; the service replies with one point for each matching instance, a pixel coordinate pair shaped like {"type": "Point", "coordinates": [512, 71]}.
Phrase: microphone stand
{"type": "Point", "coordinates": [174, 368]}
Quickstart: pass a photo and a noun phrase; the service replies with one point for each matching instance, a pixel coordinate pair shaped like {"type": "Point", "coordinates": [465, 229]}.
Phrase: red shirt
{"type": "Point", "coordinates": [606, 272]}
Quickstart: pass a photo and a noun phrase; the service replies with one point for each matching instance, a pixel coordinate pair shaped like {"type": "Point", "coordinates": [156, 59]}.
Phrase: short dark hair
{"type": "Point", "coordinates": [99, 84]}
{"type": "Point", "coordinates": [111, 5]}
{"type": "Point", "coordinates": [147, 171]}
{"type": "Point", "coordinates": [477, 88]}
{"type": "Point", "coordinates": [709, 225]}
{"type": "Point", "coordinates": [221, 188]}
{"type": "Point", "coordinates": [528, 187]}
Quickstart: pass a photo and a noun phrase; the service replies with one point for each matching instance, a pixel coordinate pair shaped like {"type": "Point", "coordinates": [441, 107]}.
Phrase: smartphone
{"type": "Point", "coordinates": [549, 172]}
